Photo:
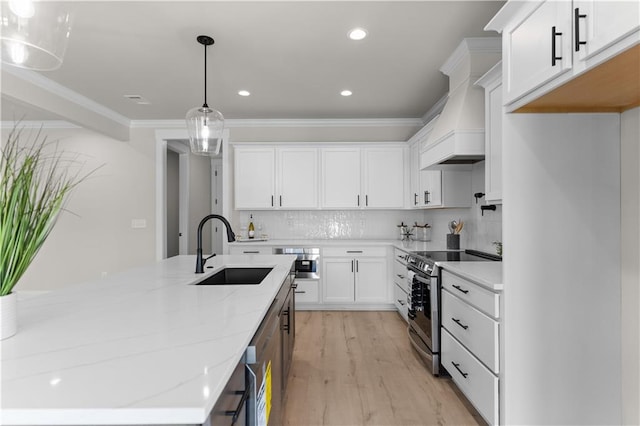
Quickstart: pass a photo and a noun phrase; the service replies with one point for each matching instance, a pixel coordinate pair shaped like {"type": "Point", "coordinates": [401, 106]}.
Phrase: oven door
{"type": "Point", "coordinates": [423, 319]}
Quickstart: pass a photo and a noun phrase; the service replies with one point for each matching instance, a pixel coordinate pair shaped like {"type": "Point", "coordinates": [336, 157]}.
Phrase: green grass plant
{"type": "Point", "coordinates": [36, 178]}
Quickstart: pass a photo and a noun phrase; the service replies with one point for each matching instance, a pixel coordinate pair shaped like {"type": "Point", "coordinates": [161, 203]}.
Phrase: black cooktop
{"type": "Point", "coordinates": [454, 256]}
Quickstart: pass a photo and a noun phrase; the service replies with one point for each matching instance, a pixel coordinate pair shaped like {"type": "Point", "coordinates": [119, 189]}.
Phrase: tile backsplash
{"type": "Point", "coordinates": [479, 231]}
{"type": "Point", "coordinates": [331, 224]}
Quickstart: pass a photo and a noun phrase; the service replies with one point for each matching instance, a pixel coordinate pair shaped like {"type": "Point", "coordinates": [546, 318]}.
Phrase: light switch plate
{"type": "Point", "coordinates": [138, 223]}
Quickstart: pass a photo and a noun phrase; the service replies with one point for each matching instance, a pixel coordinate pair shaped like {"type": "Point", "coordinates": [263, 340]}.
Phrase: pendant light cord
{"type": "Point", "coordinates": [205, 77]}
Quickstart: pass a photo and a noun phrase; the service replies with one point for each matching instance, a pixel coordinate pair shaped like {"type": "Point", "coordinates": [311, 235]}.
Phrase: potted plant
{"type": "Point", "coordinates": [35, 180]}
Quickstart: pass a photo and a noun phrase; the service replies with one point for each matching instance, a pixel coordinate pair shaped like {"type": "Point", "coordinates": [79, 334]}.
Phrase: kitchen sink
{"type": "Point", "coordinates": [237, 276]}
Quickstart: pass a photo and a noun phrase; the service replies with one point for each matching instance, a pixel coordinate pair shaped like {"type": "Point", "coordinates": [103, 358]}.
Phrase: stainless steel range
{"type": "Point", "coordinates": [424, 299]}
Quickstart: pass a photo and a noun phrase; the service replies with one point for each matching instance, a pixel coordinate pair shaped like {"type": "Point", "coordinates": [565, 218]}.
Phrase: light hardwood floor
{"type": "Point", "coordinates": [357, 368]}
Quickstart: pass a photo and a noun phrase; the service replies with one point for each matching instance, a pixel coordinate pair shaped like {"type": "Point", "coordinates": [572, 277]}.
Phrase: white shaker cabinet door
{"type": "Point", "coordinates": [601, 24]}
{"type": "Point", "coordinates": [337, 280]}
{"type": "Point", "coordinates": [341, 178]}
{"type": "Point", "coordinates": [297, 178]}
{"type": "Point", "coordinates": [371, 280]}
{"type": "Point", "coordinates": [531, 46]}
{"type": "Point", "coordinates": [254, 178]}
{"type": "Point", "coordinates": [383, 178]}
{"type": "Point", "coordinates": [431, 185]}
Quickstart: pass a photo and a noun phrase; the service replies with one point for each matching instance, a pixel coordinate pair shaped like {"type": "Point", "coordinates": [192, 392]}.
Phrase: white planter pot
{"type": "Point", "coordinates": [8, 315]}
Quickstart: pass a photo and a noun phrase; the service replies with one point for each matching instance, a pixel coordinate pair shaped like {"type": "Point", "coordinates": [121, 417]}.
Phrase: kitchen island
{"type": "Point", "coordinates": [145, 346]}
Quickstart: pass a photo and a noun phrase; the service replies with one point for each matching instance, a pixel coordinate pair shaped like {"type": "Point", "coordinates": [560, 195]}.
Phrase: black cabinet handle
{"type": "Point", "coordinates": [354, 251]}
{"type": "Point", "coordinates": [400, 276]}
{"type": "Point", "coordinates": [457, 287]}
{"type": "Point", "coordinates": [457, 321]}
{"type": "Point", "coordinates": [251, 252]}
{"type": "Point", "coordinates": [426, 197]}
{"type": "Point", "coordinates": [366, 200]}
{"type": "Point", "coordinates": [401, 302]}
{"type": "Point", "coordinates": [357, 265]}
{"type": "Point", "coordinates": [415, 199]}
{"type": "Point", "coordinates": [554, 57]}
{"type": "Point", "coordinates": [300, 291]}
{"type": "Point", "coordinates": [358, 200]}
{"type": "Point", "coordinates": [272, 201]}
{"type": "Point", "coordinates": [457, 366]}
{"type": "Point", "coordinates": [281, 201]}
{"type": "Point", "coordinates": [576, 22]}
{"type": "Point", "coordinates": [352, 265]}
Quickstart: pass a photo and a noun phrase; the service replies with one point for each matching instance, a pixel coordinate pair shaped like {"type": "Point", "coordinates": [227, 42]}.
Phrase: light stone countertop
{"type": "Point", "coordinates": [140, 347]}
{"type": "Point", "coordinates": [487, 274]}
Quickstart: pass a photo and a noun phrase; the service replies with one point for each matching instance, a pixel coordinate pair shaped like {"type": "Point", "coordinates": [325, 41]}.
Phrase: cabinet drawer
{"type": "Point", "coordinates": [354, 251]}
{"type": "Point", "coordinates": [478, 332]}
{"type": "Point", "coordinates": [307, 292]}
{"type": "Point", "coordinates": [399, 274]}
{"type": "Point", "coordinates": [250, 250]}
{"type": "Point", "coordinates": [484, 300]}
{"type": "Point", "coordinates": [474, 380]}
{"type": "Point", "coordinates": [400, 300]}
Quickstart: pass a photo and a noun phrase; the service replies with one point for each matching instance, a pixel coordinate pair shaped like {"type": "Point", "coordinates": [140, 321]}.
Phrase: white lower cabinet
{"type": "Point", "coordinates": [400, 300]}
{"type": "Point", "coordinates": [352, 277]}
{"type": "Point", "coordinates": [475, 380]}
{"type": "Point", "coordinates": [471, 341]}
{"type": "Point", "coordinates": [307, 293]}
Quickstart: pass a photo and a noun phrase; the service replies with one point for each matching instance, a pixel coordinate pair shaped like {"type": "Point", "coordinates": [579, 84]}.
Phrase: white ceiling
{"type": "Point", "coordinates": [294, 57]}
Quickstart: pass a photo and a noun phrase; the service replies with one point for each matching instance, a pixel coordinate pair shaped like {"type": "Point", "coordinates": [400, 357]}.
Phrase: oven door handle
{"type": "Point", "coordinates": [422, 279]}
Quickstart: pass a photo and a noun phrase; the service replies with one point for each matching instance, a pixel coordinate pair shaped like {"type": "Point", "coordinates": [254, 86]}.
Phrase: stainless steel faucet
{"type": "Point", "coordinates": [230, 237]}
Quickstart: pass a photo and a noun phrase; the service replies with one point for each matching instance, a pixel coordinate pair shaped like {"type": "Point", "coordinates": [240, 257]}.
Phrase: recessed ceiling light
{"type": "Point", "coordinates": [244, 93]}
{"type": "Point", "coordinates": [357, 34]}
{"type": "Point", "coordinates": [346, 93]}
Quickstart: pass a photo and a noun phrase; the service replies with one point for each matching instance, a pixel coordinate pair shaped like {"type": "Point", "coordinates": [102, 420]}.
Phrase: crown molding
{"type": "Point", "coordinates": [284, 123]}
{"type": "Point", "coordinates": [47, 124]}
{"type": "Point", "coordinates": [468, 46]}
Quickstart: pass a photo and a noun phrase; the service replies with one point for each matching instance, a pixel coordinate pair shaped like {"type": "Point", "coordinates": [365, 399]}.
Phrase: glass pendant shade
{"type": "Point", "coordinates": [34, 35]}
{"type": "Point", "coordinates": [205, 126]}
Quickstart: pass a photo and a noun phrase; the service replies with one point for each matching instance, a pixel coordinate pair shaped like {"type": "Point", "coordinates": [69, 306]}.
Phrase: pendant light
{"type": "Point", "coordinates": [34, 35]}
{"type": "Point", "coordinates": [204, 124]}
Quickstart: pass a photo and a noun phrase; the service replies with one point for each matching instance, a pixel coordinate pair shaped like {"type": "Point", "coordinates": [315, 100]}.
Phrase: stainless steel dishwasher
{"type": "Point", "coordinates": [264, 360]}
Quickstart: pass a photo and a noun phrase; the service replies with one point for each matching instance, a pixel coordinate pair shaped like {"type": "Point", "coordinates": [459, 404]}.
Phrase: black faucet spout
{"type": "Point", "coordinates": [230, 237]}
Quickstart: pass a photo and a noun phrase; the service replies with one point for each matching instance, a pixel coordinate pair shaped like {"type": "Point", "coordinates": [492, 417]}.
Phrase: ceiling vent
{"type": "Point", "coordinates": [137, 99]}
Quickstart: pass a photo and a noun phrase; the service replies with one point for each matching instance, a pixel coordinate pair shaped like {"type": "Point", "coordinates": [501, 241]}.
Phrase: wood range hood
{"type": "Point", "coordinates": [613, 86]}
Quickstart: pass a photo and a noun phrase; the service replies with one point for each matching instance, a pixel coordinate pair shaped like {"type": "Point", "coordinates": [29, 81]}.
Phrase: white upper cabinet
{"type": "Point", "coordinates": [539, 48]}
{"type": "Point", "coordinates": [340, 178]}
{"type": "Point", "coordinates": [599, 24]}
{"type": "Point", "coordinates": [255, 181]}
{"type": "Point", "coordinates": [273, 178]}
{"type": "Point", "coordinates": [449, 187]}
{"type": "Point", "coordinates": [492, 83]}
{"type": "Point", "coordinates": [564, 56]}
{"type": "Point", "coordinates": [354, 178]}
{"type": "Point", "coordinates": [297, 178]}
{"type": "Point", "coordinates": [383, 178]}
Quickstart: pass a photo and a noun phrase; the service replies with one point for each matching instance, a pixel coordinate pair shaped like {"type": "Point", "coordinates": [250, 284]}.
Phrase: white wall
{"type": "Point", "coordinates": [95, 235]}
{"type": "Point", "coordinates": [630, 137]}
{"type": "Point", "coordinates": [199, 201]}
{"type": "Point", "coordinates": [562, 269]}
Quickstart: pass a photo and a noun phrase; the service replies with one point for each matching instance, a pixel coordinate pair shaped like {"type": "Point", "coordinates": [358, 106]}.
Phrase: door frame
{"type": "Point", "coordinates": [162, 139]}
{"type": "Point", "coordinates": [183, 214]}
